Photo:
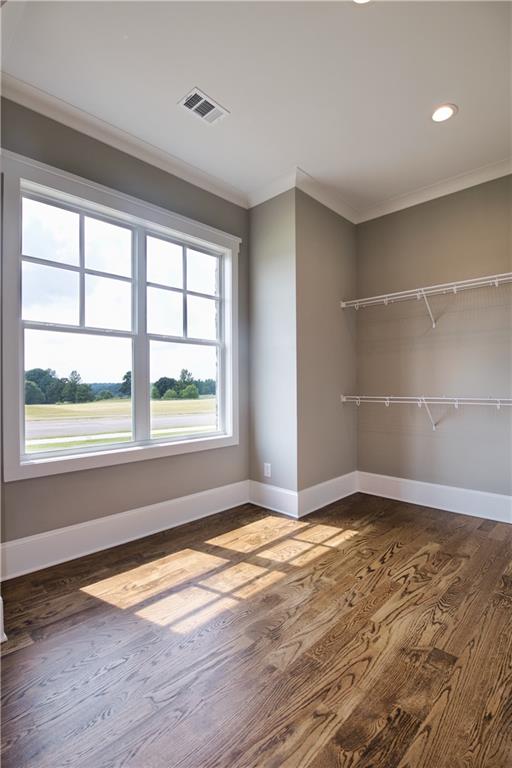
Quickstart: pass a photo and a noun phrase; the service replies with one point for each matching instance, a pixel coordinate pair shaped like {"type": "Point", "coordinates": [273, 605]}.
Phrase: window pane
{"type": "Point", "coordinates": [202, 272]}
{"type": "Point", "coordinates": [77, 391]}
{"type": "Point", "coordinates": [50, 294]}
{"type": "Point", "coordinates": [164, 262]}
{"type": "Point", "coordinates": [165, 312]}
{"type": "Point", "coordinates": [183, 389]}
{"type": "Point", "coordinates": [49, 232]}
{"type": "Point", "coordinates": [108, 248]}
{"type": "Point", "coordinates": [202, 317]}
{"type": "Point", "coordinates": [108, 303]}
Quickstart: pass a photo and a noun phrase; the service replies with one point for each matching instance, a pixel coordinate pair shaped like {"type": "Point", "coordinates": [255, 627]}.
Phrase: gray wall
{"type": "Point", "coordinates": [33, 506]}
{"type": "Point", "coordinates": [326, 342]}
{"type": "Point", "coordinates": [273, 341]}
{"type": "Point", "coordinates": [469, 353]}
{"type": "Point", "coordinates": [304, 259]}
{"type": "Point", "coordinates": [303, 351]}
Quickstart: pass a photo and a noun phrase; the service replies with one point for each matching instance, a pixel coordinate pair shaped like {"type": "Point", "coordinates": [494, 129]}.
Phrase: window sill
{"type": "Point", "coordinates": [55, 465]}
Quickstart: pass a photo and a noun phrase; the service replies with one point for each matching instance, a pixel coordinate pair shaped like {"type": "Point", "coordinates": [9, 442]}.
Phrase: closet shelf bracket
{"type": "Point", "coordinates": [423, 295]}
{"type": "Point", "coordinates": [422, 401]}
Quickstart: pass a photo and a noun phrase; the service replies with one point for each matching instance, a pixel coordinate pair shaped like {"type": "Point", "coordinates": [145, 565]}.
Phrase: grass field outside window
{"type": "Point", "coordinates": [68, 425]}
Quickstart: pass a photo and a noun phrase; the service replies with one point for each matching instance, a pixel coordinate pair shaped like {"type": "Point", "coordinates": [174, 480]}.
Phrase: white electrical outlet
{"type": "Point", "coordinates": [267, 470]}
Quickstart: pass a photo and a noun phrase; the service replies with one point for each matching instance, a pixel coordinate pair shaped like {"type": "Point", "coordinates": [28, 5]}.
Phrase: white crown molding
{"type": "Point", "coordinates": [63, 112]}
{"type": "Point", "coordinates": [322, 194]}
{"type": "Point", "coordinates": [302, 180]}
{"type": "Point", "coordinates": [440, 189]}
{"type": "Point", "coordinates": [275, 187]}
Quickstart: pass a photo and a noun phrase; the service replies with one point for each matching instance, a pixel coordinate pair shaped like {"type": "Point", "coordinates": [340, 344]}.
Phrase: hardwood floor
{"type": "Point", "coordinates": [370, 634]}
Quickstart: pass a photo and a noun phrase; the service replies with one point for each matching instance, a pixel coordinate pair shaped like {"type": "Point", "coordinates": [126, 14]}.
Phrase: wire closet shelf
{"type": "Point", "coordinates": [426, 402]}
{"type": "Point", "coordinates": [430, 290]}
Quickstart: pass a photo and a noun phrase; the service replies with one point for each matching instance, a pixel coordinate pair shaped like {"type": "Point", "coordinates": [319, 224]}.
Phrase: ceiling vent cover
{"type": "Point", "coordinates": [203, 106]}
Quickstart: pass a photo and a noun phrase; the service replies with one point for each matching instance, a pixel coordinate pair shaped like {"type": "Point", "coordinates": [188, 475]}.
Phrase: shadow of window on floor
{"type": "Point", "coordinates": [195, 585]}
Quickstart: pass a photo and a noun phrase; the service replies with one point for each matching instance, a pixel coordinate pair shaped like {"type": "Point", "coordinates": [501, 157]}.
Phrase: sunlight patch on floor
{"type": "Point", "coordinates": [187, 609]}
{"type": "Point", "coordinates": [257, 534]}
{"type": "Point", "coordinates": [159, 587]}
{"type": "Point", "coordinates": [135, 585]}
{"type": "Point", "coordinates": [285, 551]}
{"type": "Point", "coordinates": [317, 534]}
{"type": "Point", "coordinates": [176, 606]}
{"type": "Point", "coordinates": [310, 554]}
{"type": "Point", "coordinates": [242, 580]}
{"type": "Point", "coordinates": [198, 618]}
{"type": "Point", "coordinates": [235, 576]}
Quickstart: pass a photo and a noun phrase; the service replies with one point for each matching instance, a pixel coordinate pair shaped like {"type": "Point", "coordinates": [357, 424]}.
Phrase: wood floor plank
{"type": "Point", "coordinates": [348, 657]}
{"type": "Point", "coordinates": [458, 709]}
{"type": "Point", "coordinates": [371, 633]}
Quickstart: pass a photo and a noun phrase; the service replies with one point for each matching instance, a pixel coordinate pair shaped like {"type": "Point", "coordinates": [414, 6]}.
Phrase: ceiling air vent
{"type": "Point", "coordinates": [202, 106]}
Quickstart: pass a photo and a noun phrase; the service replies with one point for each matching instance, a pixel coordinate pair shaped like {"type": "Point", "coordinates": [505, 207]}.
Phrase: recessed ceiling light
{"type": "Point", "coordinates": [444, 112]}
{"type": "Point", "coordinates": [362, 2]}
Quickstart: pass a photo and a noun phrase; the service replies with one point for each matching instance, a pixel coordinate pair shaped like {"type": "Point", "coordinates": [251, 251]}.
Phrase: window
{"type": "Point", "coordinates": [126, 340]}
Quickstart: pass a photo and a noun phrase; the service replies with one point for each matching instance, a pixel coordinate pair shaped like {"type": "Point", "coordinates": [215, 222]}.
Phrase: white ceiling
{"type": "Point", "coordinates": [344, 92]}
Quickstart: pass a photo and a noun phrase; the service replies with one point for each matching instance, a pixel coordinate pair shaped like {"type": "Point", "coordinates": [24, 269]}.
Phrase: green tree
{"type": "Point", "coordinates": [33, 394]}
{"type": "Point", "coordinates": [206, 387]}
{"type": "Point", "coordinates": [165, 383]}
{"type": "Point", "coordinates": [104, 394]}
{"type": "Point", "coordinates": [190, 392]}
{"type": "Point", "coordinates": [48, 383]}
{"type": "Point", "coordinates": [185, 379]}
{"type": "Point", "coordinates": [54, 391]}
{"type": "Point", "coordinates": [70, 387]}
{"type": "Point", "coordinates": [84, 393]}
{"type": "Point", "coordinates": [170, 394]}
{"type": "Point", "coordinates": [125, 390]}
{"type": "Point", "coordinates": [43, 377]}
{"type": "Point", "coordinates": [155, 394]}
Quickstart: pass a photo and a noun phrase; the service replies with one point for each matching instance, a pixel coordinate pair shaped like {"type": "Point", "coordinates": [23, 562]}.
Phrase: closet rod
{"type": "Point", "coordinates": [425, 401]}
{"type": "Point", "coordinates": [430, 290]}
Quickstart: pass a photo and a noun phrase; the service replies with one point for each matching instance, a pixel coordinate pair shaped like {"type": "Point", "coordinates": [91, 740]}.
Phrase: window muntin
{"type": "Point", "coordinates": [183, 312]}
{"type": "Point", "coordinates": [110, 302]}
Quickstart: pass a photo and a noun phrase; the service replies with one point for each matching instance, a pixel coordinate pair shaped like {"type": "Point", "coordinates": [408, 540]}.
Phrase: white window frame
{"type": "Point", "coordinates": [97, 200]}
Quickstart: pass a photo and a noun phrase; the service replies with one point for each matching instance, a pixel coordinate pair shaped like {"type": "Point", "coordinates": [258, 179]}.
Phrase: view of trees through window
{"type": "Point", "coordinates": [79, 308]}
{"type": "Point", "coordinates": [59, 409]}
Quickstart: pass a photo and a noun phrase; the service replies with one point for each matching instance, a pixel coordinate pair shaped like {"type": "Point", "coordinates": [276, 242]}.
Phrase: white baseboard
{"type": "Point", "coordinates": [318, 496]}
{"type": "Point", "coordinates": [465, 501]}
{"type": "Point", "coordinates": [52, 547]}
{"type": "Point", "coordinates": [299, 503]}
{"type": "Point", "coordinates": [42, 550]}
{"type": "Point", "coordinates": [272, 497]}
